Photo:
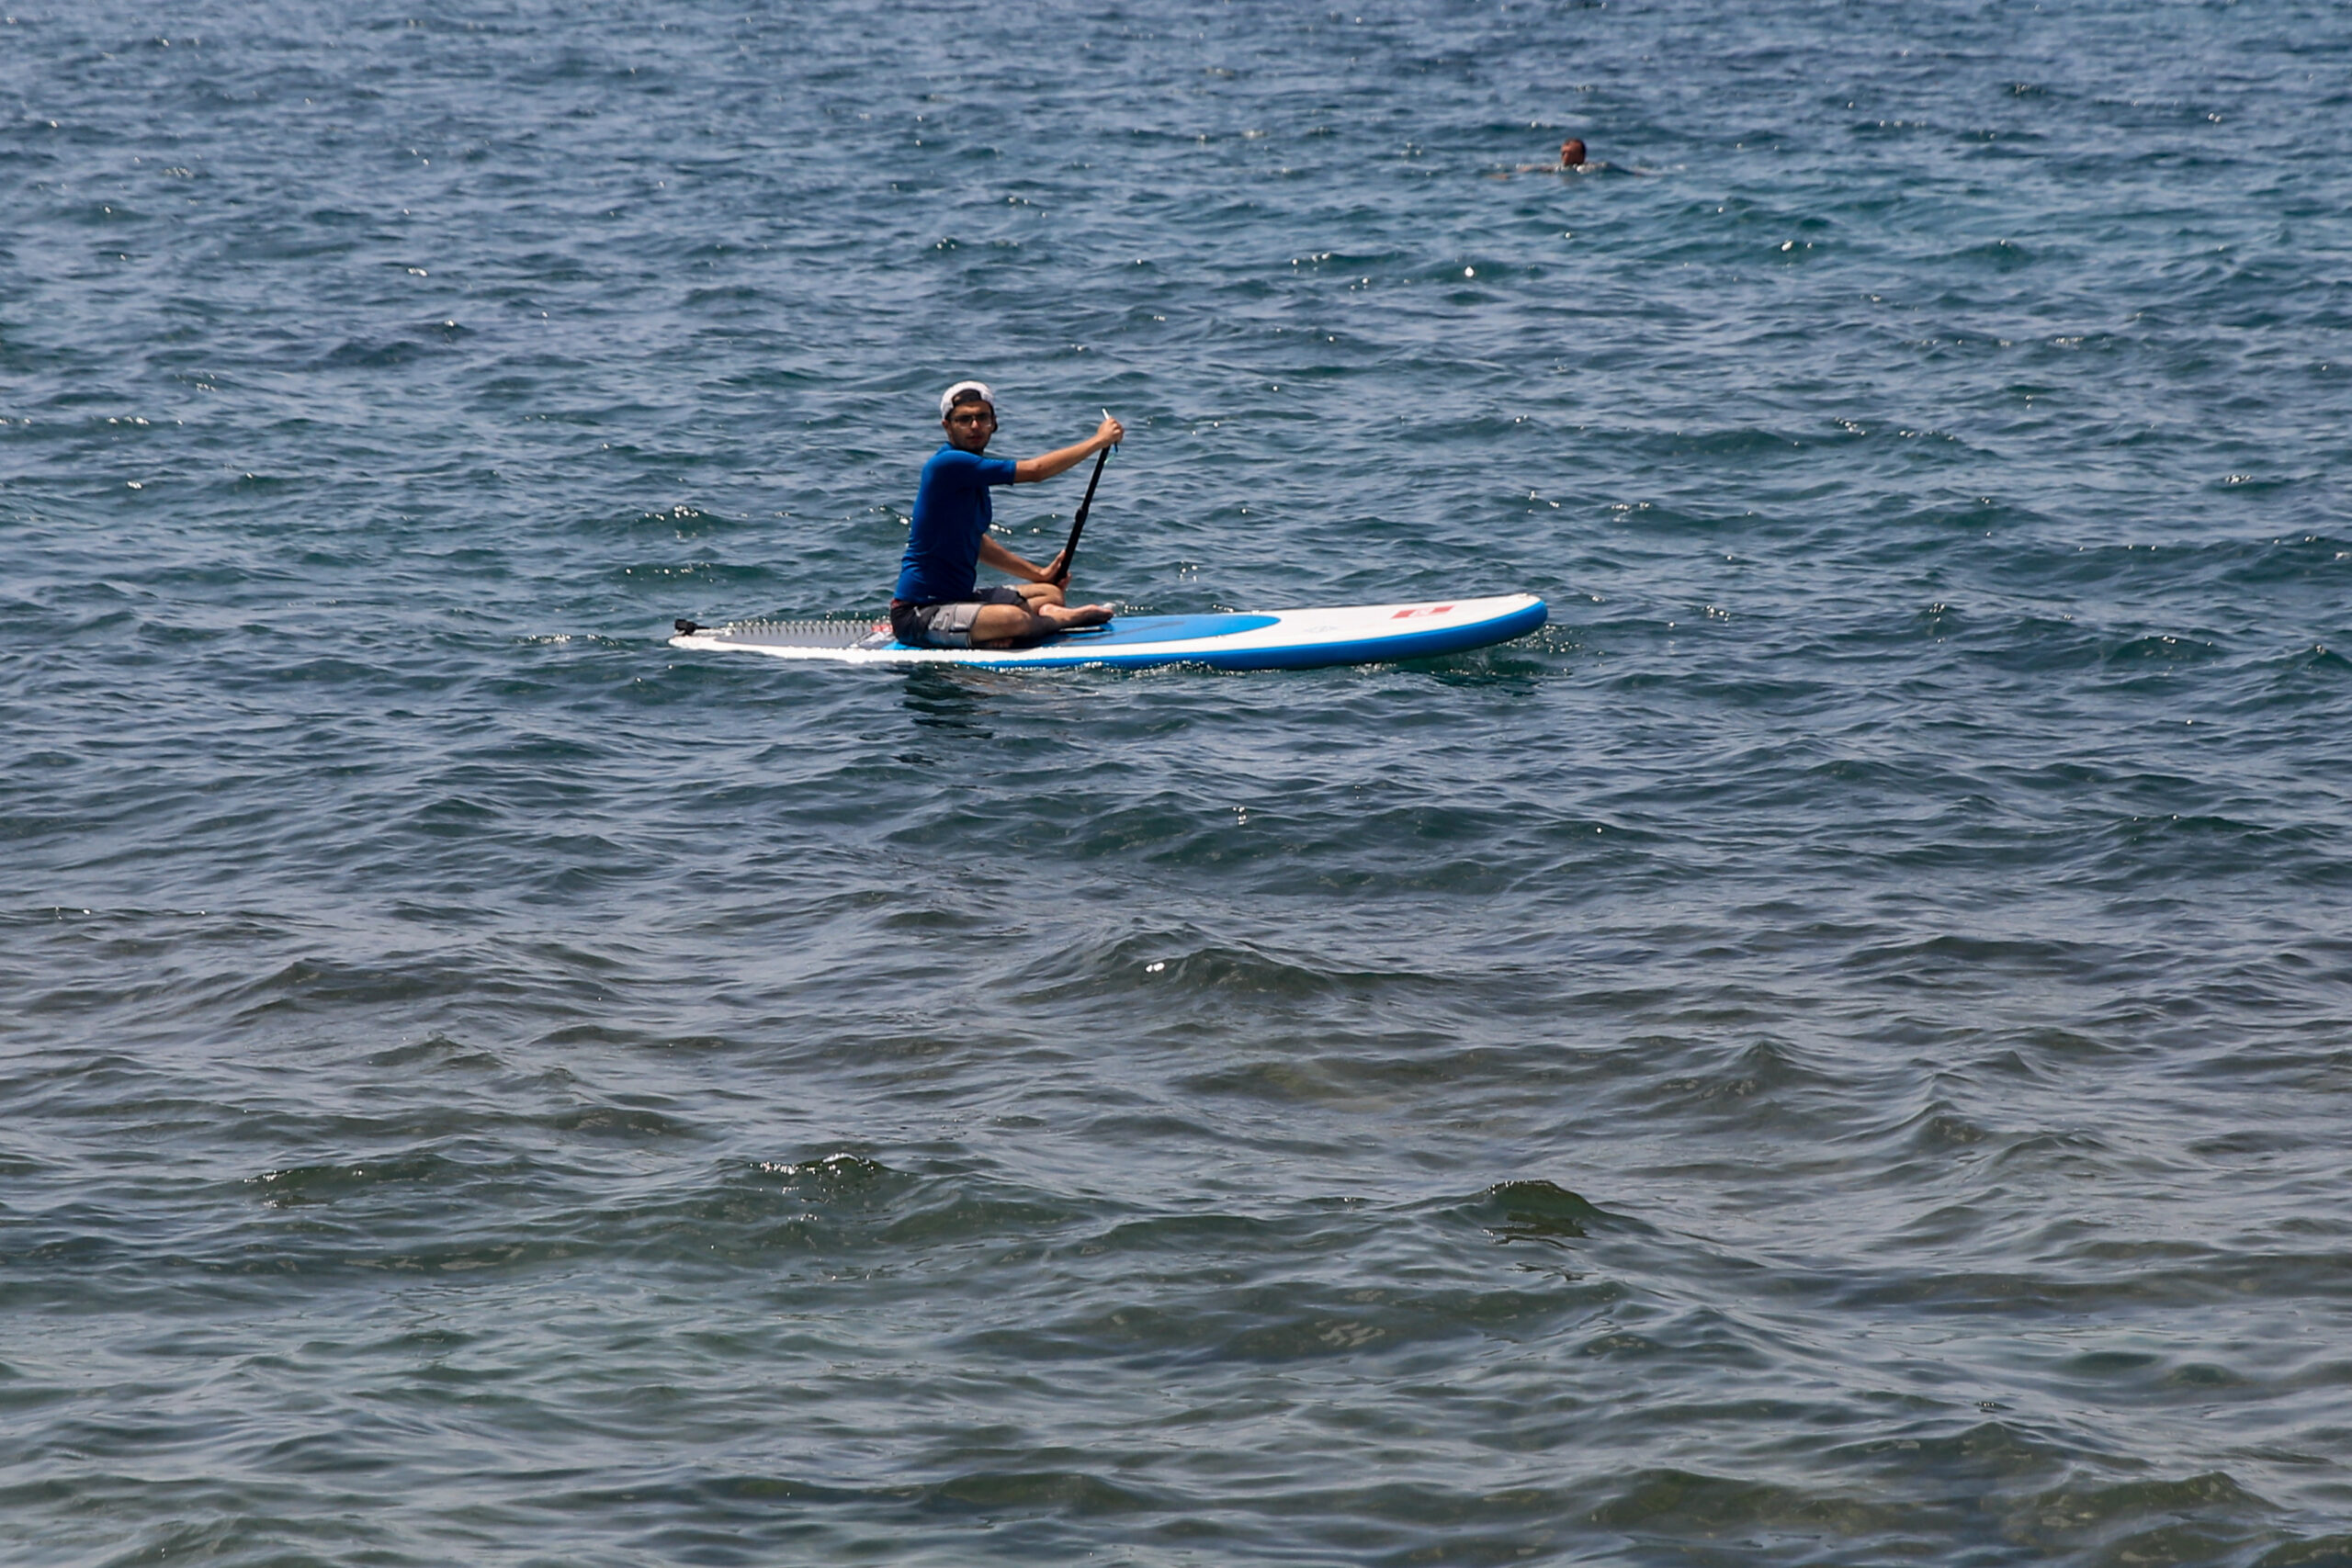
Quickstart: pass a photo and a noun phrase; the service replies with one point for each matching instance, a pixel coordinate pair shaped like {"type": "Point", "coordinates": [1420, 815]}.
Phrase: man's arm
{"type": "Point", "coordinates": [1004, 560]}
{"type": "Point", "coordinates": [1029, 471]}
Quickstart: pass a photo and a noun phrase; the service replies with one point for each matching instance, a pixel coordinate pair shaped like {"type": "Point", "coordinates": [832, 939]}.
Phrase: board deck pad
{"type": "Point", "coordinates": [1268, 640]}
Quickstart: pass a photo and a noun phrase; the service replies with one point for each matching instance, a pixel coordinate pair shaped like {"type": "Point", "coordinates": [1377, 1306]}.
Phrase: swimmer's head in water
{"type": "Point", "coordinates": [1572, 152]}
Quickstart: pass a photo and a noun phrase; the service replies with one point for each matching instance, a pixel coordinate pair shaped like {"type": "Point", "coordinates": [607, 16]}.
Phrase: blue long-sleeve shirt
{"type": "Point", "coordinates": [952, 515]}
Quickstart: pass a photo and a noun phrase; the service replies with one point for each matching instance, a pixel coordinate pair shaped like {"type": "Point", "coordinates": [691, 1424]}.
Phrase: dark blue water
{"type": "Point", "coordinates": [1837, 1051]}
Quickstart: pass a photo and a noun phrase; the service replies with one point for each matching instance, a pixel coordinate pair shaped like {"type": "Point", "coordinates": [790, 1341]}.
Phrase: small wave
{"type": "Point", "coordinates": [302, 1185]}
{"type": "Point", "coordinates": [1535, 1210]}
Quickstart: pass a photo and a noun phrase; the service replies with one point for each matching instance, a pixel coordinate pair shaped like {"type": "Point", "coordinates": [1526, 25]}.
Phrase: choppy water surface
{"type": "Point", "coordinates": [1837, 1051]}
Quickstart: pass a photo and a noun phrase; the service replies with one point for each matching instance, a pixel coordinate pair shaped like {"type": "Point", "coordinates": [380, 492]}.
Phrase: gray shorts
{"type": "Point", "coordinates": [946, 626]}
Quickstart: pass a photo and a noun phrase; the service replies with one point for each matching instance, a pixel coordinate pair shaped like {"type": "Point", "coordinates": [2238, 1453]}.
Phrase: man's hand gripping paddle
{"type": "Point", "coordinates": [1078, 524]}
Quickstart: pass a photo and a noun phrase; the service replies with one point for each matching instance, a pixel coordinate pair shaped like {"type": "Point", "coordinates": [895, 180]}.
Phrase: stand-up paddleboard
{"type": "Point", "coordinates": [1271, 639]}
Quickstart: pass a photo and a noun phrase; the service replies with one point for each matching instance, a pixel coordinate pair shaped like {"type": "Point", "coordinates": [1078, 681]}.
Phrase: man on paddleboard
{"type": "Point", "coordinates": [936, 604]}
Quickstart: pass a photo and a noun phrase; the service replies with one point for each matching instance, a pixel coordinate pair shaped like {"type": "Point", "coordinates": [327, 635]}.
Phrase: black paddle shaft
{"type": "Point", "coordinates": [1078, 524]}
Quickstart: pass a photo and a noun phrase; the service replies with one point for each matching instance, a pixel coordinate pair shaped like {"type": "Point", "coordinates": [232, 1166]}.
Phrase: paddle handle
{"type": "Point", "coordinates": [1078, 524]}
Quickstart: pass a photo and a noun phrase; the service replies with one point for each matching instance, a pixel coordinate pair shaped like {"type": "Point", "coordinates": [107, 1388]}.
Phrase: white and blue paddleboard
{"type": "Point", "coordinates": [1271, 640]}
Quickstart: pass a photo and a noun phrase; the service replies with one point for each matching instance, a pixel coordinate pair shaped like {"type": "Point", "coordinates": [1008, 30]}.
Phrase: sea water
{"type": "Point", "coordinates": [1838, 1050]}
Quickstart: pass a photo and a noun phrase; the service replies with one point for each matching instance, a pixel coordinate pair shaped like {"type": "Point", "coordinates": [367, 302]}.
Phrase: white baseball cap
{"type": "Point", "coordinates": [947, 399]}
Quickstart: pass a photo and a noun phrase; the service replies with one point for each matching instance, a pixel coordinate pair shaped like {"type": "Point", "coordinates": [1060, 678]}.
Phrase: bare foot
{"type": "Point", "coordinates": [1067, 618]}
